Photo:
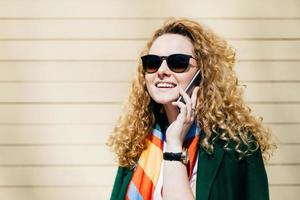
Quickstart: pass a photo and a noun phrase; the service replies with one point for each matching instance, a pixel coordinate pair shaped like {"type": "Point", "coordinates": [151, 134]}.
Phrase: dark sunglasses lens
{"type": "Point", "coordinates": [178, 62]}
{"type": "Point", "coordinates": [151, 63]}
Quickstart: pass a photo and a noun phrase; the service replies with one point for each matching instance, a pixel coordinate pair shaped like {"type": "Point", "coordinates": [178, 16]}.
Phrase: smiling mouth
{"type": "Point", "coordinates": [165, 85]}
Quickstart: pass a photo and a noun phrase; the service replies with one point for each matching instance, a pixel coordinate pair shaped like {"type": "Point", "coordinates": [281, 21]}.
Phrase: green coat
{"type": "Point", "coordinates": [220, 176]}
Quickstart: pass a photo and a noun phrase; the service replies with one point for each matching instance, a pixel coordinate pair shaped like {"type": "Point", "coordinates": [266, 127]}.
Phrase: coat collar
{"type": "Point", "coordinates": [125, 177]}
{"type": "Point", "coordinates": [208, 166]}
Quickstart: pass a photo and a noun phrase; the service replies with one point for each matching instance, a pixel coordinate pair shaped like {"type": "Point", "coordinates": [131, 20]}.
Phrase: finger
{"type": "Point", "coordinates": [183, 110]}
{"type": "Point", "coordinates": [192, 118]}
{"type": "Point", "coordinates": [194, 97]}
{"type": "Point", "coordinates": [184, 95]}
{"type": "Point", "coordinates": [182, 107]}
{"type": "Point", "coordinates": [187, 103]}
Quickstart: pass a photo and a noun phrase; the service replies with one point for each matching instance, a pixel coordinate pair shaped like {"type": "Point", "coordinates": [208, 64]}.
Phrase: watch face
{"type": "Point", "coordinates": [184, 156]}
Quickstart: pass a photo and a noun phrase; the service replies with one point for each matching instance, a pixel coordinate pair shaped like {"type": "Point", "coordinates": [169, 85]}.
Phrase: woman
{"type": "Point", "coordinates": [207, 146]}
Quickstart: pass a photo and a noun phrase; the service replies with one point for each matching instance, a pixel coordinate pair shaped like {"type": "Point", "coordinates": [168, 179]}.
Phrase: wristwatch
{"type": "Point", "coordinates": [182, 156]}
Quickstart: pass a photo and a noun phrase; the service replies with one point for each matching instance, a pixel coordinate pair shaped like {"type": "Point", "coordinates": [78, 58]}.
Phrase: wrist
{"type": "Point", "coordinates": [174, 142]}
{"type": "Point", "coordinates": [178, 156]}
{"type": "Point", "coordinates": [173, 147]}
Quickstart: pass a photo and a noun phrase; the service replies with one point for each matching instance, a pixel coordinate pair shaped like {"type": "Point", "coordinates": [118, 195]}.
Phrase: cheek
{"type": "Point", "coordinates": [149, 78]}
{"type": "Point", "coordinates": [149, 81]}
{"type": "Point", "coordinates": [184, 80]}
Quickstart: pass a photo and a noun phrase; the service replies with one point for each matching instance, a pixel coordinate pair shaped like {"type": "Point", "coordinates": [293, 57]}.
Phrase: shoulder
{"type": "Point", "coordinates": [242, 145]}
{"type": "Point", "coordinates": [236, 154]}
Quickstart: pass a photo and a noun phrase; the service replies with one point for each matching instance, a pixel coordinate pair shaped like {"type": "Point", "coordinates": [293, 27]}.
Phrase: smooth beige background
{"type": "Point", "coordinates": [66, 66]}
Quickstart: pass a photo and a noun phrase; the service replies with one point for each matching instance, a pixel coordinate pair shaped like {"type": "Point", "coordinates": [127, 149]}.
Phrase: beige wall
{"type": "Point", "coordinates": [65, 68]}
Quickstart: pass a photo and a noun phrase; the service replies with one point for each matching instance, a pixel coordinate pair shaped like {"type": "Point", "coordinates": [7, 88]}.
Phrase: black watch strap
{"type": "Point", "coordinates": [172, 156]}
{"type": "Point", "coordinates": [181, 156]}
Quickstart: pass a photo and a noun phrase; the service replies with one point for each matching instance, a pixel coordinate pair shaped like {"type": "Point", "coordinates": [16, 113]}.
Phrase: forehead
{"type": "Point", "coordinates": [167, 44]}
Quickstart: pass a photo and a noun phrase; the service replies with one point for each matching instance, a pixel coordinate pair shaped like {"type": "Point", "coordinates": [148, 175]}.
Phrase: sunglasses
{"type": "Point", "coordinates": [176, 62]}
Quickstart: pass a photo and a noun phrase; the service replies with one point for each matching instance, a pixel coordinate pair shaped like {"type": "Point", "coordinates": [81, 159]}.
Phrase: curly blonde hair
{"type": "Point", "coordinates": [220, 103]}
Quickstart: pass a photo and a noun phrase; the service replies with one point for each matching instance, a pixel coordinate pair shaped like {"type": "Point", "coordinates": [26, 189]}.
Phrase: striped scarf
{"type": "Point", "coordinates": [146, 182]}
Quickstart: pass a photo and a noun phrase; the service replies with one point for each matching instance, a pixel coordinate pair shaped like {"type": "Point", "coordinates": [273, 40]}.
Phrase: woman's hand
{"type": "Point", "coordinates": [178, 129]}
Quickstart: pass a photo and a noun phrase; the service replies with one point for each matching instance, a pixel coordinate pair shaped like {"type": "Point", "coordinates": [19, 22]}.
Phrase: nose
{"type": "Point", "coordinates": [163, 69]}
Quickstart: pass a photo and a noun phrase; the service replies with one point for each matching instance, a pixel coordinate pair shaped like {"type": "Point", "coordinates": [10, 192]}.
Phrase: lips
{"type": "Point", "coordinates": [165, 85]}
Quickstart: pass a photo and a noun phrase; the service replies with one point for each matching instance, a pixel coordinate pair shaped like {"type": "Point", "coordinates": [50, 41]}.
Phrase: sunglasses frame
{"type": "Point", "coordinates": [162, 58]}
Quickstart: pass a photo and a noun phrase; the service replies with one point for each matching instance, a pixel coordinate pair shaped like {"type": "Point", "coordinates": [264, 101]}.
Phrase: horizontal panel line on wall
{"type": "Point", "coordinates": [102, 165]}
{"type": "Point", "coordinates": [273, 102]}
{"type": "Point", "coordinates": [269, 81]}
{"type": "Point", "coordinates": [133, 29]}
{"type": "Point", "coordinates": [70, 60]}
{"type": "Point", "coordinates": [289, 143]}
{"type": "Point", "coordinates": [97, 186]}
{"type": "Point", "coordinates": [86, 93]}
{"type": "Point", "coordinates": [100, 81]}
{"type": "Point", "coordinates": [99, 144]}
{"type": "Point", "coordinates": [136, 29]}
{"type": "Point", "coordinates": [61, 144]}
{"type": "Point", "coordinates": [133, 60]}
{"type": "Point", "coordinates": [100, 113]}
{"type": "Point", "coordinates": [39, 124]}
{"type": "Point", "coordinates": [120, 102]}
{"type": "Point", "coordinates": [105, 175]}
{"type": "Point", "coordinates": [137, 39]}
{"type": "Point", "coordinates": [135, 9]}
{"type": "Point", "coordinates": [117, 92]}
{"type": "Point", "coordinates": [107, 123]}
{"type": "Point", "coordinates": [146, 18]}
{"type": "Point", "coordinates": [249, 71]}
{"type": "Point", "coordinates": [281, 164]}
{"type": "Point", "coordinates": [123, 50]}
{"type": "Point", "coordinates": [58, 165]}
{"type": "Point", "coordinates": [96, 144]}
{"type": "Point", "coordinates": [90, 134]}
{"type": "Point", "coordinates": [283, 123]}
{"type": "Point", "coordinates": [62, 103]}
{"type": "Point", "coordinates": [89, 155]}
{"type": "Point", "coordinates": [121, 81]}
{"type": "Point", "coordinates": [51, 186]}
{"type": "Point", "coordinates": [284, 185]}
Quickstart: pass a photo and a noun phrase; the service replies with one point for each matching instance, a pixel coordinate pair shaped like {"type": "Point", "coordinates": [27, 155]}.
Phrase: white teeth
{"type": "Point", "coordinates": [165, 85]}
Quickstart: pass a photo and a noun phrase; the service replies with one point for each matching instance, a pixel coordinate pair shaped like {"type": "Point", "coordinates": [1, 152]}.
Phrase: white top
{"type": "Point", "coordinates": [157, 190]}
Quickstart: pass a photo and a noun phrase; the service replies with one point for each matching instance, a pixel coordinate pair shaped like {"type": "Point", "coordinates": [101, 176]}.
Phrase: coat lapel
{"type": "Point", "coordinates": [208, 166]}
{"type": "Point", "coordinates": [125, 179]}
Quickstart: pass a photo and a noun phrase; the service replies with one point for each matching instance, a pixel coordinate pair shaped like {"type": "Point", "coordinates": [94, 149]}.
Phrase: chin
{"type": "Point", "coordinates": [163, 100]}
{"type": "Point", "coordinates": [162, 97]}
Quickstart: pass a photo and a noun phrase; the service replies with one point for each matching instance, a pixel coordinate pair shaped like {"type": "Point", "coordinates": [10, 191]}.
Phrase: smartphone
{"type": "Point", "coordinates": [189, 88]}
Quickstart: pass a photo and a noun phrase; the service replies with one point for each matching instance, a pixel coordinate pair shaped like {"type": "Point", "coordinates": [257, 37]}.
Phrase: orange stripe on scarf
{"type": "Point", "coordinates": [146, 174]}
